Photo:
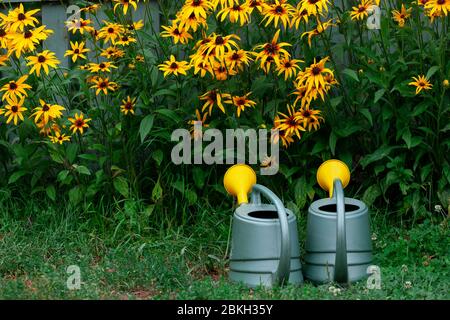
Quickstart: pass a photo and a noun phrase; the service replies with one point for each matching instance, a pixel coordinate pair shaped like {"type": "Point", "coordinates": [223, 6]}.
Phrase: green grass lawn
{"type": "Point", "coordinates": [124, 260]}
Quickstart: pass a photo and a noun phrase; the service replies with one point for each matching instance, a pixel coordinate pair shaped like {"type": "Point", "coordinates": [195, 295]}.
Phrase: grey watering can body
{"type": "Point", "coordinates": [264, 248]}
{"type": "Point", "coordinates": [338, 241]}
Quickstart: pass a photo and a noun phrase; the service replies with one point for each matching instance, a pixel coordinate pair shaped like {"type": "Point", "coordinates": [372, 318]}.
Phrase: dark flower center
{"type": "Point", "coordinates": [235, 56]}
{"type": "Point", "coordinates": [102, 66]}
{"type": "Point", "coordinates": [196, 3]}
{"type": "Point", "coordinates": [222, 69]}
{"type": "Point", "coordinates": [12, 86]}
{"type": "Point", "coordinates": [128, 106]}
{"type": "Point", "coordinates": [219, 40]}
{"type": "Point", "coordinates": [41, 59]}
{"type": "Point", "coordinates": [291, 122]}
{"type": "Point", "coordinates": [287, 65]}
{"type": "Point", "coordinates": [125, 38]}
{"type": "Point", "coordinates": [361, 9]}
{"type": "Point", "coordinates": [14, 109]}
{"type": "Point", "coordinates": [306, 113]}
{"type": "Point", "coordinates": [176, 32]}
{"type": "Point", "coordinates": [28, 34]}
{"type": "Point", "coordinates": [271, 48]}
{"type": "Point", "coordinates": [2, 33]}
{"type": "Point", "coordinates": [77, 51]}
{"type": "Point", "coordinates": [79, 123]}
{"type": "Point", "coordinates": [110, 30]}
{"type": "Point", "coordinates": [279, 9]}
{"type": "Point", "coordinates": [45, 108]}
{"type": "Point", "coordinates": [240, 102]}
{"type": "Point", "coordinates": [441, 2]}
{"type": "Point", "coordinates": [21, 17]}
{"type": "Point", "coordinates": [103, 84]}
{"type": "Point", "coordinates": [316, 71]}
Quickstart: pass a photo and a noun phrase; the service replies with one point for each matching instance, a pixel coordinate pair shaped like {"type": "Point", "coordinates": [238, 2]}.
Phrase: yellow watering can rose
{"type": "Point", "coordinates": [331, 170]}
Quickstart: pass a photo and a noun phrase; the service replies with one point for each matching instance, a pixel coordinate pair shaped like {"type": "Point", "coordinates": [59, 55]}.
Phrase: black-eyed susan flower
{"type": "Point", "coordinates": [79, 123]}
{"type": "Point", "coordinates": [362, 10]}
{"type": "Point", "coordinates": [196, 134]}
{"type": "Point", "coordinates": [203, 68]}
{"type": "Point", "coordinates": [176, 32]}
{"type": "Point", "coordinates": [199, 8]}
{"type": "Point", "coordinates": [77, 51]}
{"type": "Point", "coordinates": [421, 83]}
{"type": "Point", "coordinates": [128, 105]}
{"type": "Point", "coordinates": [92, 8]}
{"type": "Point", "coordinates": [42, 60]}
{"type": "Point", "coordinates": [81, 25]}
{"type": "Point", "coordinates": [401, 16]}
{"type": "Point", "coordinates": [289, 67]}
{"type": "Point", "coordinates": [286, 139]}
{"type": "Point", "coordinates": [315, 7]}
{"type": "Point", "coordinates": [5, 37]}
{"type": "Point", "coordinates": [103, 85]}
{"type": "Point", "coordinates": [422, 3]}
{"type": "Point", "coordinates": [18, 18]}
{"type": "Point", "coordinates": [221, 72]}
{"type": "Point", "coordinates": [440, 6]}
{"type": "Point", "coordinates": [236, 13]}
{"type": "Point", "coordinates": [320, 28]}
{"type": "Point", "coordinates": [136, 25]}
{"type": "Point", "coordinates": [16, 88]}
{"type": "Point", "coordinates": [311, 118]}
{"type": "Point", "coordinates": [3, 60]}
{"type": "Point", "coordinates": [27, 41]}
{"type": "Point", "coordinates": [279, 11]}
{"type": "Point", "coordinates": [272, 50]}
{"type": "Point", "coordinates": [14, 109]}
{"type": "Point", "coordinates": [125, 40]}
{"type": "Point", "coordinates": [314, 75]}
{"type": "Point", "coordinates": [112, 53]}
{"type": "Point", "coordinates": [236, 59]}
{"type": "Point", "coordinates": [221, 44]}
{"type": "Point", "coordinates": [125, 4]}
{"type": "Point", "coordinates": [292, 122]}
{"type": "Point", "coordinates": [47, 111]}
{"type": "Point", "coordinates": [255, 4]}
{"type": "Point", "coordinates": [192, 22]}
{"type": "Point", "coordinates": [298, 16]}
{"type": "Point", "coordinates": [110, 32]}
{"type": "Point", "coordinates": [241, 102]}
{"type": "Point", "coordinates": [59, 138]}
{"type": "Point", "coordinates": [301, 95]}
{"type": "Point", "coordinates": [214, 98]}
{"type": "Point", "coordinates": [101, 67]}
{"type": "Point", "coordinates": [223, 3]}
{"type": "Point", "coordinates": [173, 66]}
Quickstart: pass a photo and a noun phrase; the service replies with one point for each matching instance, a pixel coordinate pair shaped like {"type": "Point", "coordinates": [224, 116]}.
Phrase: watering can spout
{"type": "Point", "coordinates": [238, 181]}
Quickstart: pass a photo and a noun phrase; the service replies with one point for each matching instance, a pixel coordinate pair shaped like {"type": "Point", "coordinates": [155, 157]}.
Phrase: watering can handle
{"type": "Point", "coordinates": [281, 275]}
{"type": "Point", "coordinates": [340, 264]}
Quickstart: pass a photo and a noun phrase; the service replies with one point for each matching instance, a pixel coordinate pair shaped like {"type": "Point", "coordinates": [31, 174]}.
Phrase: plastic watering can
{"type": "Point", "coordinates": [264, 243]}
{"type": "Point", "coordinates": [338, 242]}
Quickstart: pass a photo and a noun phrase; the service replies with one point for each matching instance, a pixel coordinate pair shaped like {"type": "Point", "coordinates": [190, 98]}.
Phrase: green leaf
{"type": "Point", "coordinates": [82, 170]}
{"type": "Point", "coordinates": [172, 115]}
{"type": "Point", "coordinates": [336, 101]}
{"type": "Point", "coordinates": [71, 152]}
{"type": "Point", "coordinates": [158, 156]}
{"type": "Point", "coordinates": [75, 195]}
{"type": "Point", "coordinates": [62, 175]}
{"type": "Point", "coordinates": [371, 194]}
{"type": "Point", "coordinates": [146, 126]}
{"type": "Point", "coordinates": [121, 186]}
{"type": "Point", "coordinates": [351, 73]}
{"type": "Point", "coordinates": [88, 156]}
{"type": "Point", "coordinates": [157, 192]}
{"type": "Point", "coordinates": [16, 176]}
{"type": "Point", "coordinates": [51, 192]}
{"type": "Point", "coordinates": [431, 72]}
{"type": "Point", "coordinates": [406, 136]}
{"type": "Point", "coordinates": [332, 142]}
{"type": "Point", "coordinates": [378, 95]}
{"type": "Point", "coordinates": [366, 113]}
{"type": "Point", "coordinates": [379, 154]}
{"type": "Point", "coordinates": [191, 197]}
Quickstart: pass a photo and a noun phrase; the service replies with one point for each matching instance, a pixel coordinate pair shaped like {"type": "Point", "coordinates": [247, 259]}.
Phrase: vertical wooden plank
{"type": "Point", "coordinates": [54, 17]}
{"type": "Point", "coordinates": [154, 12]}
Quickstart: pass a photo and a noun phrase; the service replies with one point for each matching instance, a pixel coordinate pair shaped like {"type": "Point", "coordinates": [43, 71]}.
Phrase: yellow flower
{"type": "Point", "coordinates": [441, 6]}
{"type": "Point", "coordinates": [221, 72]}
{"type": "Point", "coordinates": [235, 59]}
{"type": "Point", "coordinates": [314, 7]}
{"type": "Point", "coordinates": [311, 118]}
{"type": "Point", "coordinates": [241, 103]}
{"type": "Point", "coordinates": [77, 51]}
{"type": "Point", "coordinates": [313, 77]}
{"type": "Point", "coordinates": [103, 84]}
{"type": "Point", "coordinates": [297, 16]}
{"type": "Point", "coordinates": [421, 83]}
{"type": "Point", "coordinates": [14, 109]}
{"type": "Point", "coordinates": [252, 4]}
{"type": "Point", "coordinates": [126, 4]}
{"type": "Point", "coordinates": [5, 38]}
{"type": "Point", "coordinates": [128, 105]}
{"type": "Point", "coordinates": [43, 60]}
{"type": "Point", "coordinates": [237, 12]}
{"type": "Point", "coordinates": [3, 59]}
{"type": "Point", "coordinates": [47, 111]}
{"type": "Point", "coordinates": [59, 138]}
{"type": "Point", "coordinates": [26, 41]}
{"type": "Point", "coordinates": [137, 25]}
{"type": "Point", "coordinates": [18, 19]}
{"type": "Point", "coordinates": [219, 45]}
{"type": "Point", "coordinates": [212, 98]}
{"type": "Point", "coordinates": [272, 50]}
{"type": "Point", "coordinates": [321, 27]}
{"type": "Point", "coordinates": [110, 32]}
{"type": "Point", "coordinates": [361, 11]}
{"type": "Point", "coordinates": [446, 83]}
{"type": "Point", "coordinates": [101, 67]}
{"type": "Point", "coordinates": [173, 66]}
{"type": "Point", "coordinates": [291, 123]}
{"type": "Point", "coordinates": [202, 68]}
{"type": "Point", "coordinates": [401, 16]}
{"type": "Point", "coordinates": [80, 25]}
{"type": "Point", "coordinates": [16, 88]}
{"type": "Point", "coordinates": [125, 40]}
{"type": "Point", "coordinates": [276, 12]}
{"type": "Point", "coordinates": [199, 8]}
{"type": "Point", "coordinates": [78, 123]}
{"type": "Point", "coordinates": [178, 34]}
{"type": "Point", "coordinates": [289, 67]}
{"type": "Point", "coordinates": [194, 133]}
{"type": "Point", "coordinates": [112, 52]}
{"type": "Point", "coordinates": [192, 22]}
